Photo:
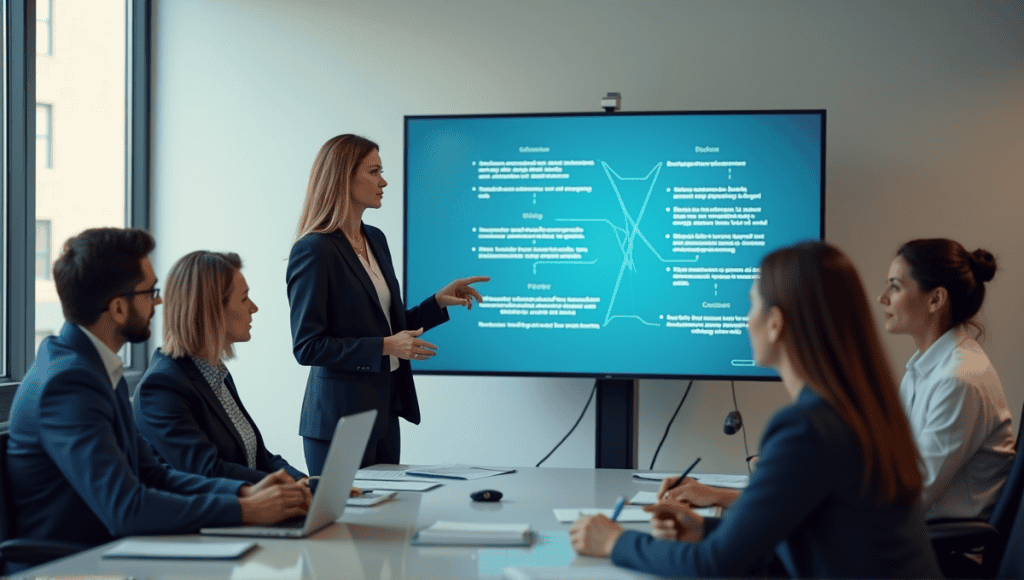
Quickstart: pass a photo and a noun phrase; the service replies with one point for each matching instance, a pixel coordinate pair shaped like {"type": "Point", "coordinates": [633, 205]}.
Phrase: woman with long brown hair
{"type": "Point", "coordinates": [349, 324]}
{"type": "Point", "coordinates": [836, 490]}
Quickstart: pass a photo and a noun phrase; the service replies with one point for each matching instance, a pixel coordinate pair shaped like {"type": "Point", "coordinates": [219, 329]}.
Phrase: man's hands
{"type": "Point", "coordinates": [594, 535]}
{"type": "Point", "coordinates": [274, 498]}
{"type": "Point", "coordinates": [460, 293]}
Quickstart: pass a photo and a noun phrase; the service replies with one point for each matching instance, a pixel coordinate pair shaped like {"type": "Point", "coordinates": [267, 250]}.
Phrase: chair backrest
{"type": "Point", "coordinates": [1006, 510]}
{"type": "Point", "coordinates": [6, 505]}
{"type": "Point", "coordinates": [1012, 563]}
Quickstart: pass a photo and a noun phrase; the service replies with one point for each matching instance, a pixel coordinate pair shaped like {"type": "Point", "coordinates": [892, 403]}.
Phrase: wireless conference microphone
{"type": "Point", "coordinates": [733, 423]}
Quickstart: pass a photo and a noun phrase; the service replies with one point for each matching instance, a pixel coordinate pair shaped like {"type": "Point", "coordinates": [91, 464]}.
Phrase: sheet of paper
{"type": "Point", "coordinates": [190, 550]}
{"type": "Point", "coordinates": [715, 479]}
{"type": "Point", "coordinates": [455, 471]}
{"type": "Point", "coordinates": [644, 498]}
{"type": "Point", "coordinates": [629, 514]}
{"type": "Point", "coordinates": [385, 485]}
{"type": "Point", "coordinates": [387, 475]}
{"type": "Point", "coordinates": [722, 480]}
{"type": "Point", "coordinates": [606, 572]}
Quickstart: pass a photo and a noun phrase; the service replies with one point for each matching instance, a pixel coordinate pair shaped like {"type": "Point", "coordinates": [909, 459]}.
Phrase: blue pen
{"type": "Point", "coordinates": [685, 473]}
{"type": "Point", "coordinates": [618, 507]}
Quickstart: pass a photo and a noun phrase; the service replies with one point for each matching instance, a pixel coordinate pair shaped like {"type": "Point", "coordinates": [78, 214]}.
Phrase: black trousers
{"type": "Point", "coordinates": [385, 449]}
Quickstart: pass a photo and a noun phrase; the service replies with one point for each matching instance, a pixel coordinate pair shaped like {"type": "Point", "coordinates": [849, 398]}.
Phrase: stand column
{"type": "Point", "coordinates": [615, 428]}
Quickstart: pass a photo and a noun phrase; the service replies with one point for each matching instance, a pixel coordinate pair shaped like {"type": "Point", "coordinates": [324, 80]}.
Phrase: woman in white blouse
{"type": "Point", "coordinates": [951, 393]}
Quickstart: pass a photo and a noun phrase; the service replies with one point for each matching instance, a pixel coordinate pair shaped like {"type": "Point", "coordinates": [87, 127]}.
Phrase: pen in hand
{"type": "Point", "coordinates": [683, 476]}
{"type": "Point", "coordinates": [618, 507]}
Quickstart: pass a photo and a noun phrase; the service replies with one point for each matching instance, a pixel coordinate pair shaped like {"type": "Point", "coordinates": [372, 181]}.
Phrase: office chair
{"type": "Point", "coordinates": [24, 552]}
{"type": "Point", "coordinates": [952, 538]}
{"type": "Point", "coordinates": [1012, 565]}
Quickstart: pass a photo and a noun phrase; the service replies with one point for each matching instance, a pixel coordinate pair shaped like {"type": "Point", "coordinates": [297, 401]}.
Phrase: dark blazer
{"type": "Point", "coordinates": [185, 424]}
{"type": "Point", "coordinates": [78, 468]}
{"type": "Point", "coordinates": [804, 502]}
{"type": "Point", "coordinates": [338, 329]}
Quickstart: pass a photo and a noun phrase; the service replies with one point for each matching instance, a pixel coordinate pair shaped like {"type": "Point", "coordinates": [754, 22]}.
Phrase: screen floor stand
{"type": "Point", "coordinates": [615, 428]}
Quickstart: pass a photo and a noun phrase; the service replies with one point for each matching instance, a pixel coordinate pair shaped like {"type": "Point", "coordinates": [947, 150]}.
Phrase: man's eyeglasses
{"type": "Point", "coordinates": [153, 292]}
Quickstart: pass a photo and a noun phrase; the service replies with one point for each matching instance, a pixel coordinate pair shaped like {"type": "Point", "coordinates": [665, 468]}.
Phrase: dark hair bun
{"type": "Point", "coordinates": [983, 264]}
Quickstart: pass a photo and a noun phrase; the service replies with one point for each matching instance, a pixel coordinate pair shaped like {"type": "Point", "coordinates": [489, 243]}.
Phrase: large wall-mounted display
{"type": "Point", "coordinates": [619, 245]}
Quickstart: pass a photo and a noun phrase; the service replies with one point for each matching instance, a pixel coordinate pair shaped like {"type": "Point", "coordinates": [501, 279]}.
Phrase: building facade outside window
{"type": "Point", "coordinates": [44, 27]}
{"type": "Point", "coordinates": [44, 136]}
{"type": "Point", "coordinates": [44, 251]}
{"type": "Point", "coordinates": [80, 176]}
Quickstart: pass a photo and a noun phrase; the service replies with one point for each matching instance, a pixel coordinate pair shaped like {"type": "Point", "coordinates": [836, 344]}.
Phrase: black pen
{"type": "Point", "coordinates": [685, 473]}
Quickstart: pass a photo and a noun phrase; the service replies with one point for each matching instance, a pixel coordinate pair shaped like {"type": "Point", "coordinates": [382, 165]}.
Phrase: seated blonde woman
{"type": "Point", "coordinates": [187, 406]}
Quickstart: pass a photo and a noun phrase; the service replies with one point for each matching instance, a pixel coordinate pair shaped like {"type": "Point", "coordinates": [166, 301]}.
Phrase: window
{"type": "Point", "coordinates": [85, 84]}
{"type": "Point", "coordinates": [44, 135]}
{"type": "Point", "coordinates": [44, 262]}
{"type": "Point", "coordinates": [99, 85]}
{"type": "Point", "coordinates": [44, 27]}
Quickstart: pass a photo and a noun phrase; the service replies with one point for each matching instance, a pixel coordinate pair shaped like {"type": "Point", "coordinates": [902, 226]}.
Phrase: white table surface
{"type": "Point", "coordinates": [373, 542]}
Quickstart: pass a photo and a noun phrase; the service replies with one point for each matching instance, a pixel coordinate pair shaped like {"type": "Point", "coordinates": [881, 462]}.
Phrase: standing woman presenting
{"type": "Point", "coordinates": [348, 321]}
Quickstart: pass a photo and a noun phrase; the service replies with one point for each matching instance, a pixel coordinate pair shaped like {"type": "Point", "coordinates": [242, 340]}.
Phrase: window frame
{"type": "Point", "coordinates": [17, 293]}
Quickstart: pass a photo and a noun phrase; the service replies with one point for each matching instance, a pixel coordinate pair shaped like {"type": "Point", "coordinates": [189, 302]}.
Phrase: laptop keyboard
{"type": "Point", "coordinates": [297, 522]}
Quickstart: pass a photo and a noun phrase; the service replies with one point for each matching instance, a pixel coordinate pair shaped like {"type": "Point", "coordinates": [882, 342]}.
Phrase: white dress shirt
{"type": "Point", "coordinates": [111, 362]}
{"type": "Point", "coordinates": [961, 424]}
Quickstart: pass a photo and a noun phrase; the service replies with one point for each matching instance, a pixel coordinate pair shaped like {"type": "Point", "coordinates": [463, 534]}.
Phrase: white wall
{"type": "Point", "coordinates": [925, 138]}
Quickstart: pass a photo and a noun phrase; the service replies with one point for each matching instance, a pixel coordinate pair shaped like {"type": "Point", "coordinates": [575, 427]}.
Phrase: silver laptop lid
{"type": "Point", "coordinates": [343, 459]}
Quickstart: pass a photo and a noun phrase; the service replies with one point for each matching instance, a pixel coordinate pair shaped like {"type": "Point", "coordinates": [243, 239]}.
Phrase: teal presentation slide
{"type": "Point", "coordinates": [618, 245]}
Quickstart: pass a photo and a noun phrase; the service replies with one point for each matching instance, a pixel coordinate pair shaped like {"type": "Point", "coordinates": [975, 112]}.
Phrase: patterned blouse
{"type": "Point", "coordinates": [215, 376]}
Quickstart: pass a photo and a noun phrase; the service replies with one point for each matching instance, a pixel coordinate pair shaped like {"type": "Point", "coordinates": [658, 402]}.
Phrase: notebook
{"type": "Point", "coordinates": [350, 437]}
{"type": "Point", "coordinates": [445, 533]}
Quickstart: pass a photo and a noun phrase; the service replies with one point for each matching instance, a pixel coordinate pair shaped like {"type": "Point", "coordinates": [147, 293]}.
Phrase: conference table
{"type": "Point", "coordinates": [373, 542]}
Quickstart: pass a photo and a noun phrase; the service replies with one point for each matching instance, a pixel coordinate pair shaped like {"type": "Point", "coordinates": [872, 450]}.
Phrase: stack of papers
{"type": "Point", "coordinates": [444, 533]}
{"type": "Point", "coordinates": [184, 550]}
{"type": "Point", "coordinates": [456, 471]}
{"type": "Point", "coordinates": [388, 485]}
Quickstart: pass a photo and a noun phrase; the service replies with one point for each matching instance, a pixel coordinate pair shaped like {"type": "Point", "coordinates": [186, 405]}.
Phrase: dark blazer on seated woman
{"type": "Point", "coordinates": [186, 425]}
{"type": "Point", "coordinates": [805, 503]}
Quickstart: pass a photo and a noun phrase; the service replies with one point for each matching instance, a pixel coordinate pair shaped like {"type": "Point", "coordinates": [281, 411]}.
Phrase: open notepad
{"type": "Point", "coordinates": [444, 533]}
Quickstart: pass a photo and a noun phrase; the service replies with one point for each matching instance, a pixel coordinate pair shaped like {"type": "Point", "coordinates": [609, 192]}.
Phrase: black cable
{"type": "Point", "coordinates": [669, 426]}
{"type": "Point", "coordinates": [584, 412]}
{"type": "Point", "coordinates": [736, 406]}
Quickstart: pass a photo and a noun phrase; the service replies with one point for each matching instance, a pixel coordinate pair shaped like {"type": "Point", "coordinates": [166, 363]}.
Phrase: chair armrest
{"type": "Point", "coordinates": [961, 535]}
{"type": "Point", "coordinates": [33, 552]}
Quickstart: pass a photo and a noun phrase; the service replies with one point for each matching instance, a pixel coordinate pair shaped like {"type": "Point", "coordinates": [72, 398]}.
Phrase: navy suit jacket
{"type": "Point", "coordinates": [78, 468]}
{"type": "Point", "coordinates": [804, 501]}
{"type": "Point", "coordinates": [338, 329]}
{"type": "Point", "coordinates": [186, 425]}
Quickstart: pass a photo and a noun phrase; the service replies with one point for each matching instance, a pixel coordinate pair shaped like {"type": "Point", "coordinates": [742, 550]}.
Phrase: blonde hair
{"type": "Point", "coordinates": [327, 195]}
{"type": "Point", "coordinates": [197, 290]}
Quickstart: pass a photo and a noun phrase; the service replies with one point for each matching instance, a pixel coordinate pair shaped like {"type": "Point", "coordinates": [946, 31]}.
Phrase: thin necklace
{"type": "Point", "coordinates": [360, 248]}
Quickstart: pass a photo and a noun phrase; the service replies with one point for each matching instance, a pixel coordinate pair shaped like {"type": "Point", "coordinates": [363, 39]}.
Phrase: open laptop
{"type": "Point", "coordinates": [347, 447]}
